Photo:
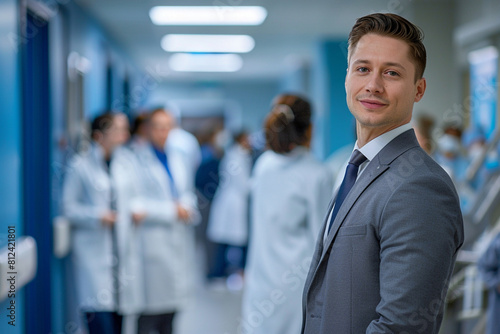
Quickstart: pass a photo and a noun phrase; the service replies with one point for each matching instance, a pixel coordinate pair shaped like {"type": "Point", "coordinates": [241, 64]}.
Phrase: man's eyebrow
{"type": "Point", "coordinates": [391, 64]}
{"type": "Point", "coordinates": [361, 61]}
{"type": "Point", "coordinates": [395, 65]}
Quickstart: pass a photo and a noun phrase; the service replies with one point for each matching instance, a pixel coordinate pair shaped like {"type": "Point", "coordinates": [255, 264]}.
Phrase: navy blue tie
{"type": "Point", "coordinates": [351, 173]}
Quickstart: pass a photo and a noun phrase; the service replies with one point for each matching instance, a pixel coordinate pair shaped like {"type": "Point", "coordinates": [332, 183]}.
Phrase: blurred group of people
{"type": "Point", "coordinates": [132, 206]}
{"type": "Point", "coordinates": [133, 203]}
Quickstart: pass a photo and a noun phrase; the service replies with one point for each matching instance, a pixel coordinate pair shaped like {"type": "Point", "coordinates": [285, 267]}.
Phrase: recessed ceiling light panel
{"type": "Point", "coordinates": [185, 62]}
{"type": "Point", "coordinates": [208, 15]}
{"type": "Point", "coordinates": [208, 43]}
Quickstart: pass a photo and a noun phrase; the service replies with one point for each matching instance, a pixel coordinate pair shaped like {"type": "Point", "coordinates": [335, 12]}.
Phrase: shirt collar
{"type": "Point", "coordinates": [374, 146]}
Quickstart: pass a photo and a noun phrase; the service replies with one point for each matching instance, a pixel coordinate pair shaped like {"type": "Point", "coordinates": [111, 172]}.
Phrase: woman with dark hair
{"type": "Point", "coordinates": [290, 193]}
{"type": "Point", "coordinates": [90, 205]}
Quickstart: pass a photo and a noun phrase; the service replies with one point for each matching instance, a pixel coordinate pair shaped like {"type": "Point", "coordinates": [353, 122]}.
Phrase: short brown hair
{"type": "Point", "coordinates": [102, 123]}
{"type": "Point", "coordinates": [287, 123]}
{"type": "Point", "coordinates": [395, 26]}
{"type": "Point", "coordinates": [161, 111]}
{"type": "Point", "coordinates": [140, 120]}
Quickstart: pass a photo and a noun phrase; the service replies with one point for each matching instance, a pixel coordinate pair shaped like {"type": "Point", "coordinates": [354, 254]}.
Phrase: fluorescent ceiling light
{"type": "Point", "coordinates": [208, 43]}
{"type": "Point", "coordinates": [185, 62]}
{"type": "Point", "coordinates": [208, 15]}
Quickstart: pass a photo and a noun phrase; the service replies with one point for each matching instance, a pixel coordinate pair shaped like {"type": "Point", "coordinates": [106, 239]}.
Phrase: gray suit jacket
{"type": "Point", "coordinates": [386, 263]}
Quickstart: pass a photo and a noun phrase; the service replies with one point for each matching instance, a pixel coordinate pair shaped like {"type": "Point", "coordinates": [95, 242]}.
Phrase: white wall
{"type": "Point", "coordinates": [436, 19]}
{"type": "Point", "coordinates": [470, 11]}
{"type": "Point", "coordinates": [248, 100]}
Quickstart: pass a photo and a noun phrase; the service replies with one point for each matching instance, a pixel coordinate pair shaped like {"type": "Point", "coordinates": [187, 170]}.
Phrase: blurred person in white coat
{"type": "Point", "coordinates": [168, 204]}
{"type": "Point", "coordinates": [228, 220]}
{"type": "Point", "coordinates": [89, 203]}
{"type": "Point", "coordinates": [140, 131]}
{"type": "Point", "coordinates": [185, 143]}
{"type": "Point", "coordinates": [290, 193]}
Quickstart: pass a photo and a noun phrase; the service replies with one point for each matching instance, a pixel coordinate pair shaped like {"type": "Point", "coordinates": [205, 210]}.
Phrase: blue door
{"type": "Point", "coordinates": [36, 169]}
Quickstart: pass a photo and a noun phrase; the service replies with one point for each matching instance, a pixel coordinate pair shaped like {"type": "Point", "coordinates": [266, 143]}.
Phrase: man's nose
{"type": "Point", "coordinates": [375, 84]}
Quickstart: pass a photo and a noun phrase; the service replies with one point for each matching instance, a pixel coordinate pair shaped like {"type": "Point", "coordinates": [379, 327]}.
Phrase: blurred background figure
{"type": "Point", "coordinates": [140, 131]}
{"type": "Point", "coordinates": [207, 175]}
{"type": "Point", "coordinates": [89, 203]}
{"type": "Point", "coordinates": [475, 143]}
{"type": "Point", "coordinates": [450, 153]}
{"type": "Point", "coordinates": [187, 144]}
{"type": "Point", "coordinates": [423, 126]}
{"type": "Point", "coordinates": [228, 221]}
{"type": "Point", "coordinates": [168, 204]}
{"type": "Point", "coordinates": [489, 269]}
{"type": "Point", "coordinates": [207, 181]}
{"type": "Point", "coordinates": [480, 153]}
{"type": "Point", "coordinates": [290, 193]}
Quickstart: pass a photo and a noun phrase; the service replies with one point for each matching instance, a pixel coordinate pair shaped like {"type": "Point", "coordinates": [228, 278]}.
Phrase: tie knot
{"type": "Point", "coordinates": [357, 158]}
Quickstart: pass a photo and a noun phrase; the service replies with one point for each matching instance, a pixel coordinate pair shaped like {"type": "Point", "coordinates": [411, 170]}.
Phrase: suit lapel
{"type": "Point", "coordinates": [372, 172]}
{"type": "Point", "coordinates": [375, 168]}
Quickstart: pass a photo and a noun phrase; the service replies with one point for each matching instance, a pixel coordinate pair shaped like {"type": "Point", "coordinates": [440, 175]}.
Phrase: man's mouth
{"type": "Point", "coordinates": [372, 104]}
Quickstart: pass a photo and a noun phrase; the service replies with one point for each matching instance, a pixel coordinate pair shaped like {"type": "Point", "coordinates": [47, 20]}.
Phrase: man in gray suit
{"type": "Point", "coordinates": [384, 259]}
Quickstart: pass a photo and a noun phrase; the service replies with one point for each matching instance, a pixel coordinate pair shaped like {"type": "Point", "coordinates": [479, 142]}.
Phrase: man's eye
{"type": "Point", "coordinates": [393, 73]}
{"type": "Point", "coordinates": [362, 69]}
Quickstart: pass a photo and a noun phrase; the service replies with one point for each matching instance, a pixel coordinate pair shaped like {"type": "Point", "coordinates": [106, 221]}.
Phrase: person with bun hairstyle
{"type": "Point", "coordinates": [290, 191]}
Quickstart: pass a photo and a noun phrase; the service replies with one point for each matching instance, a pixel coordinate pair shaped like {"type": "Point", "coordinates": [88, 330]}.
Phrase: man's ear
{"type": "Point", "coordinates": [421, 86]}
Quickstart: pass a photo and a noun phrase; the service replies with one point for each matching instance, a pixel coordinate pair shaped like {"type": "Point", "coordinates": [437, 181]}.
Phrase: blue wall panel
{"type": "Point", "coordinates": [10, 146]}
{"type": "Point", "coordinates": [335, 124]}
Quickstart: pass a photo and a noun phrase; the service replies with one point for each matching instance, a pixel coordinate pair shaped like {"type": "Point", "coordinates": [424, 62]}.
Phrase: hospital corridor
{"type": "Point", "coordinates": [249, 166]}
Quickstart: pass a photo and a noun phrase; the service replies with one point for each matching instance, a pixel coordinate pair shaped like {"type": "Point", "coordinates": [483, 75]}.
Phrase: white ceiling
{"type": "Point", "coordinates": [286, 37]}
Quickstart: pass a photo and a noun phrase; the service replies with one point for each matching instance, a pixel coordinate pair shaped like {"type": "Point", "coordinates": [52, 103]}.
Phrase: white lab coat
{"type": "Point", "coordinates": [187, 144]}
{"type": "Point", "coordinates": [290, 194]}
{"type": "Point", "coordinates": [125, 170]}
{"type": "Point", "coordinates": [228, 221]}
{"type": "Point", "coordinates": [167, 244]}
{"type": "Point", "coordinates": [86, 197]}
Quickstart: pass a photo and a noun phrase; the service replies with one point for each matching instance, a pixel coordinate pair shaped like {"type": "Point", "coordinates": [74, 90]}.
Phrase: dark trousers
{"type": "Point", "coordinates": [228, 259]}
{"type": "Point", "coordinates": [103, 322]}
{"type": "Point", "coordinates": [158, 323]}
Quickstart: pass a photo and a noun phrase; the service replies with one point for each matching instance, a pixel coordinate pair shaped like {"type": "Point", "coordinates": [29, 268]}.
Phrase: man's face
{"type": "Point", "coordinates": [160, 126]}
{"type": "Point", "coordinates": [380, 83]}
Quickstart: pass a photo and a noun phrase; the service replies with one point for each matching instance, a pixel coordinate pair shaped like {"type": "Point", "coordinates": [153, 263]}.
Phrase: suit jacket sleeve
{"type": "Point", "coordinates": [420, 232]}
